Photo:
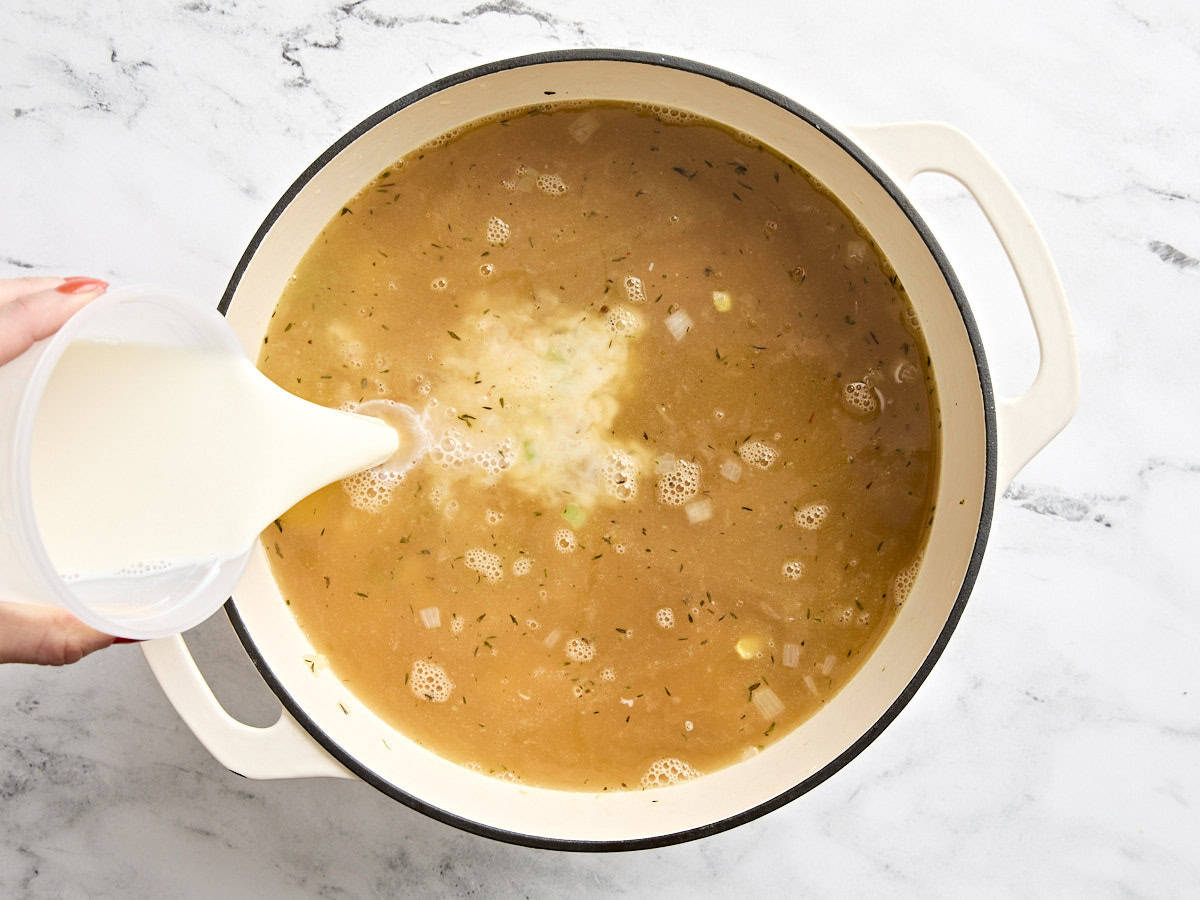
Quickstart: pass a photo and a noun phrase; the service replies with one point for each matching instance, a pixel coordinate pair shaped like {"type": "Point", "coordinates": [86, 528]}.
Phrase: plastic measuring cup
{"type": "Point", "coordinates": [137, 606]}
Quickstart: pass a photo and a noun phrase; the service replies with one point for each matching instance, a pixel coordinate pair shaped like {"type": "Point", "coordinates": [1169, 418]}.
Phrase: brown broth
{"type": "Point", "coordinates": [564, 383]}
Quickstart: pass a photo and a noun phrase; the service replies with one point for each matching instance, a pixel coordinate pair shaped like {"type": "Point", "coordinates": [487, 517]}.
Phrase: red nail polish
{"type": "Point", "coordinates": [79, 284]}
{"type": "Point", "coordinates": [127, 640]}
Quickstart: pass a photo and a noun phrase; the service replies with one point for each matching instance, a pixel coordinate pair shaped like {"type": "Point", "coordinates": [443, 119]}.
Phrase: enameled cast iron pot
{"type": "Point", "coordinates": [325, 731]}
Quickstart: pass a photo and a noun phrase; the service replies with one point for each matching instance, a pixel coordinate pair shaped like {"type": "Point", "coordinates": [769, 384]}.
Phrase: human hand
{"type": "Point", "coordinates": [31, 309]}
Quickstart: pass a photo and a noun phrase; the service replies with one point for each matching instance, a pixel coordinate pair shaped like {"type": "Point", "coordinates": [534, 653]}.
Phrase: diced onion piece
{"type": "Point", "coordinates": [679, 323]}
{"type": "Point", "coordinates": [552, 638]}
{"type": "Point", "coordinates": [722, 301]}
{"type": "Point", "coordinates": [768, 703]}
{"type": "Point", "coordinates": [431, 617]}
{"type": "Point", "coordinates": [731, 470]}
{"type": "Point", "coordinates": [584, 127]}
{"type": "Point", "coordinates": [827, 665]}
{"type": "Point", "coordinates": [791, 655]}
{"type": "Point", "coordinates": [699, 510]}
{"type": "Point", "coordinates": [811, 684]}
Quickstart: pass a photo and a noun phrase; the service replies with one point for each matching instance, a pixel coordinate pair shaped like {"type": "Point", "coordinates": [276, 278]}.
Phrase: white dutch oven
{"type": "Point", "coordinates": [325, 731]}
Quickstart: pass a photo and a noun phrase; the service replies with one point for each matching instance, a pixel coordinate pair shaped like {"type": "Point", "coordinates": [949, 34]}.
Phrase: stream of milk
{"type": "Point", "coordinates": [148, 457]}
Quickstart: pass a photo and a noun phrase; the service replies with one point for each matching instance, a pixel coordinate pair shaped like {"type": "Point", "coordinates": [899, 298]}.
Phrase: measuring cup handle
{"type": "Point", "coordinates": [282, 750]}
{"type": "Point", "coordinates": [1024, 424]}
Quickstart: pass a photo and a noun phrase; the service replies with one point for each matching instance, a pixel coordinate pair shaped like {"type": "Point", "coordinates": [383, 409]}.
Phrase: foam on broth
{"type": "Point", "coordinates": [682, 446]}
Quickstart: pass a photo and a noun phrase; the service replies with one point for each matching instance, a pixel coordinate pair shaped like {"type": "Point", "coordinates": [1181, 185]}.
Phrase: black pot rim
{"type": "Point", "coordinates": [296, 710]}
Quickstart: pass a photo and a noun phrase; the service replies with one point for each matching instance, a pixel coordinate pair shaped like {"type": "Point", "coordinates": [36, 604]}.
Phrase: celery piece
{"type": "Point", "coordinates": [574, 515]}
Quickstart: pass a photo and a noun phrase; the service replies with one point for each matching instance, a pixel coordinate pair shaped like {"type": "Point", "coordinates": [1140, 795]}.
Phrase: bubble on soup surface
{"type": "Point", "coordinates": [580, 650]}
{"type": "Point", "coordinates": [634, 289]}
{"type": "Point", "coordinates": [450, 450]}
{"type": "Point", "coordinates": [497, 231]}
{"type": "Point", "coordinates": [552, 185]}
{"type": "Point", "coordinates": [486, 269]}
{"type": "Point", "coordinates": [671, 115]}
{"type": "Point", "coordinates": [667, 771]}
{"type": "Point", "coordinates": [456, 623]}
{"type": "Point", "coordinates": [493, 516]}
{"type": "Point", "coordinates": [680, 483]}
{"type": "Point", "coordinates": [859, 398]}
{"type": "Point", "coordinates": [486, 564]}
{"type": "Point", "coordinates": [371, 490]}
{"type": "Point", "coordinates": [910, 320]}
{"type": "Point", "coordinates": [758, 454]}
{"type": "Point", "coordinates": [902, 584]}
{"type": "Point", "coordinates": [665, 617]}
{"type": "Point", "coordinates": [607, 674]}
{"type": "Point", "coordinates": [439, 284]}
{"type": "Point", "coordinates": [522, 566]}
{"type": "Point", "coordinates": [495, 460]}
{"type": "Point", "coordinates": [620, 475]}
{"type": "Point", "coordinates": [565, 541]}
{"type": "Point", "coordinates": [430, 681]}
{"type": "Point", "coordinates": [812, 516]}
{"type": "Point", "coordinates": [793, 570]}
{"type": "Point", "coordinates": [622, 322]}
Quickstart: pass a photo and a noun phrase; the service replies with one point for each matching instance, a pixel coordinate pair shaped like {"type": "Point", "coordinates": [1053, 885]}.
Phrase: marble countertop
{"type": "Point", "coordinates": [1054, 750]}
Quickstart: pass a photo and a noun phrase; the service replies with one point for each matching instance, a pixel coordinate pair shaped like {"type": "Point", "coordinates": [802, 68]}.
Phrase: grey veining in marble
{"type": "Point", "coordinates": [1054, 750]}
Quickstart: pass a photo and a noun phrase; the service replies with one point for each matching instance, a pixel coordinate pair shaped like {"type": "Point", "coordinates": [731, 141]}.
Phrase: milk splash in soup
{"type": "Point", "coordinates": [681, 446]}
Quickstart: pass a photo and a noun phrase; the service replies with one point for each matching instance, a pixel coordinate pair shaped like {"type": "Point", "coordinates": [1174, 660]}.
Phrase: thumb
{"type": "Point", "coordinates": [32, 317]}
{"type": "Point", "coordinates": [45, 635]}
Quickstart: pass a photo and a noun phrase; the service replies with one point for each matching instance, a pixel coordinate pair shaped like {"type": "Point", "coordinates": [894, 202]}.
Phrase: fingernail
{"type": "Point", "coordinates": [79, 284]}
{"type": "Point", "coordinates": [127, 640]}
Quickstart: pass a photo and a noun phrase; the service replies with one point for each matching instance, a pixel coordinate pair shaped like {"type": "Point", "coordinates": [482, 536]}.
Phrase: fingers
{"type": "Point", "coordinates": [31, 317]}
{"type": "Point", "coordinates": [12, 288]}
{"type": "Point", "coordinates": [45, 636]}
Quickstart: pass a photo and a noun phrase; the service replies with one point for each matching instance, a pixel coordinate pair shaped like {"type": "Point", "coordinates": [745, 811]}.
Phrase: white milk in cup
{"type": "Point", "coordinates": [142, 453]}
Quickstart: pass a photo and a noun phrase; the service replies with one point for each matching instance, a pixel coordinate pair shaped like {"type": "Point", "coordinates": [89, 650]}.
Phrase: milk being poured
{"type": "Point", "coordinates": [148, 458]}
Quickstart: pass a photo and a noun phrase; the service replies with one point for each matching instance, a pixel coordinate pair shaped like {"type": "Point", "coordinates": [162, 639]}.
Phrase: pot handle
{"type": "Point", "coordinates": [282, 750]}
{"type": "Point", "coordinates": [1027, 423]}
